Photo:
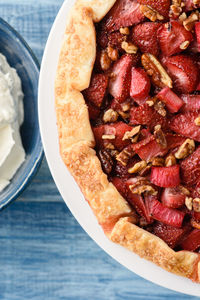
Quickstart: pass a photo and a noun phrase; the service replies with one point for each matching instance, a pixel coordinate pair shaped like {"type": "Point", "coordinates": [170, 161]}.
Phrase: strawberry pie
{"type": "Point", "coordinates": [127, 96]}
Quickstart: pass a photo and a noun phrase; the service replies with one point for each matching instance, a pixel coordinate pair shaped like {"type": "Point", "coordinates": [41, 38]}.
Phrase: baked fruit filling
{"type": "Point", "coordinates": [144, 107]}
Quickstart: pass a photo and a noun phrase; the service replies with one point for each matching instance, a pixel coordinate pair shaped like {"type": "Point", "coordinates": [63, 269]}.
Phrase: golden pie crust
{"type": "Point", "coordinates": [77, 56]}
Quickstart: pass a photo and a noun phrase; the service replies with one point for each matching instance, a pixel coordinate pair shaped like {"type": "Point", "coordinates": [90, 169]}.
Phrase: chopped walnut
{"type": "Point", "coordinates": [124, 30]}
{"type": "Point", "coordinates": [151, 13]}
{"type": "Point", "coordinates": [196, 204]}
{"type": "Point", "coordinates": [184, 45]}
{"type": "Point", "coordinates": [188, 203]}
{"type": "Point", "coordinates": [123, 114]}
{"type": "Point", "coordinates": [105, 61]}
{"type": "Point", "coordinates": [195, 224]}
{"type": "Point", "coordinates": [138, 167]}
{"type": "Point", "coordinates": [110, 116]}
{"type": "Point", "coordinates": [124, 156]}
{"type": "Point", "coordinates": [158, 162]}
{"type": "Point", "coordinates": [129, 134]}
{"type": "Point", "coordinates": [143, 188]}
{"type": "Point", "coordinates": [185, 149]}
{"type": "Point", "coordinates": [160, 108]}
{"type": "Point", "coordinates": [106, 161]}
{"type": "Point", "coordinates": [126, 106]}
{"type": "Point", "coordinates": [182, 17]}
{"type": "Point", "coordinates": [130, 48]}
{"type": "Point", "coordinates": [184, 190]}
{"type": "Point", "coordinates": [112, 53]}
{"type": "Point", "coordinates": [197, 121]}
{"type": "Point", "coordinates": [154, 69]}
{"type": "Point", "coordinates": [190, 21]}
{"type": "Point", "coordinates": [176, 8]}
{"type": "Point", "coordinates": [160, 137]}
{"type": "Point", "coordinates": [108, 137]}
{"type": "Point", "coordinates": [109, 146]}
{"type": "Point", "coordinates": [150, 103]}
{"type": "Point", "coordinates": [170, 160]}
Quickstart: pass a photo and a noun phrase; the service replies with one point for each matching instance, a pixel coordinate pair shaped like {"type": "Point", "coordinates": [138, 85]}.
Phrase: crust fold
{"type": "Point", "coordinates": [152, 248]}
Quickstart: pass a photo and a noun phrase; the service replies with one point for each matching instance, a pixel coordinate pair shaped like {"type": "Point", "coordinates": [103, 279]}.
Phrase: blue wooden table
{"type": "Point", "coordinates": [44, 253]}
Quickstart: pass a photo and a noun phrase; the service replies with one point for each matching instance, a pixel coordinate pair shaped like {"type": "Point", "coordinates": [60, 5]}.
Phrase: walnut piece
{"type": "Point", "coordinates": [188, 203]}
{"type": "Point", "coordinates": [108, 137]}
{"type": "Point", "coordinates": [154, 69]}
{"type": "Point", "coordinates": [190, 21]}
{"type": "Point", "coordinates": [160, 108]}
{"type": "Point", "coordinates": [184, 45]}
{"type": "Point", "coordinates": [182, 17]}
{"type": "Point", "coordinates": [124, 156]}
{"type": "Point", "coordinates": [105, 61]}
{"type": "Point", "coordinates": [196, 204]}
{"type": "Point", "coordinates": [110, 116]}
{"type": "Point", "coordinates": [151, 13]}
{"type": "Point", "coordinates": [143, 188]}
{"type": "Point", "coordinates": [158, 162]}
{"type": "Point", "coordinates": [124, 30]}
{"type": "Point", "coordinates": [106, 161]}
{"type": "Point", "coordinates": [185, 149]}
{"type": "Point", "coordinates": [170, 160]}
{"type": "Point", "coordinates": [130, 48]}
{"type": "Point", "coordinates": [112, 53]}
{"type": "Point", "coordinates": [138, 167]}
{"type": "Point", "coordinates": [197, 121]}
{"type": "Point", "coordinates": [129, 134]}
{"type": "Point", "coordinates": [160, 137]}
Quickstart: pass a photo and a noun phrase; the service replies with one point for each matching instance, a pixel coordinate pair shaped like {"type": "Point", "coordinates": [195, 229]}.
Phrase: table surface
{"type": "Point", "coordinates": [44, 253]}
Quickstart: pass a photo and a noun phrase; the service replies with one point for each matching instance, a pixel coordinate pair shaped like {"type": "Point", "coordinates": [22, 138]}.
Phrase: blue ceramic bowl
{"type": "Point", "coordinates": [20, 56]}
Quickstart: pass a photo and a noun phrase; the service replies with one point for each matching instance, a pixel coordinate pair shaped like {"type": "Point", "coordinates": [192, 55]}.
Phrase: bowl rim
{"type": "Point", "coordinates": [40, 152]}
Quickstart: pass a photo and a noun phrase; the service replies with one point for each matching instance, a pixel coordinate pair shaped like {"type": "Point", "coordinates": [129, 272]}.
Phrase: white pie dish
{"type": "Point", "coordinates": [71, 193]}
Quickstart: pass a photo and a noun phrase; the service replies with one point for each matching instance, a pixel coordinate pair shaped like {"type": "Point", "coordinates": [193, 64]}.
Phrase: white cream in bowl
{"type": "Point", "coordinates": [12, 153]}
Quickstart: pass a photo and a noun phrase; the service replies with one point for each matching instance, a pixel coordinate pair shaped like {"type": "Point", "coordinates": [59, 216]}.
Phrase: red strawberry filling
{"type": "Point", "coordinates": [144, 106]}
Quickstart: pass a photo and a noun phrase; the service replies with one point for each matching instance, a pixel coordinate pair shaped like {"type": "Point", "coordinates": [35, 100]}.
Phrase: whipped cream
{"type": "Point", "coordinates": [12, 154]}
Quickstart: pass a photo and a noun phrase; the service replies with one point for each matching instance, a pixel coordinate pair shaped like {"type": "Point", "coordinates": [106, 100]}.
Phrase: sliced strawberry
{"type": "Point", "coordinates": [166, 176]}
{"type": "Point", "coordinates": [161, 213]}
{"type": "Point", "coordinates": [140, 84]}
{"type": "Point", "coordinates": [116, 129]}
{"type": "Point", "coordinates": [184, 72]}
{"type": "Point", "coordinates": [190, 168]}
{"type": "Point", "coordinates": [93, 111]}
{"type": "Point", "coordinates": [169, 234]}
{"type": "Point", "coordinates": [124, 13]}
{"type": "Point", "coordinates": [192, 103]}
{"type": "Point", "coordinates": [171, 100]}
{"type": "Point", "coordinates": [97, 89]}
{"type": "Point", "coordinates": [184, 124]}
{"type": "Point", "coordinates": [173, 197]}
{"type": "Point", "coordinates": [120, 186]}
{"type": "Point", "coordinates": [149, 148]}
{"type": "Point", "coordinates": [161, 6]}
{"type": "Point", "coordinates": [145, 37]}
{"type": "Point", "coordinates": [137, 202]}
{"type": "Point", "coordinates": [197, 31]}
{"type": "Point", "coordinates": [146, 115]}
{"type": "Point", "coordinates": [119, 86]}
{"type": "Point", "coordinates": [171, 36]}
{"type": "Point", "coordinates": [192, 241]}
